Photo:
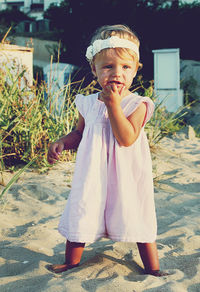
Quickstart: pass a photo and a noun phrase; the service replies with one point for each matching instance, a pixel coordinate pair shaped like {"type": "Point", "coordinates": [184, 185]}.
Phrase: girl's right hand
{"type": "Point", "coordinates": [112, 94]}
{"type": "Point", "coordinates": [54, 151]}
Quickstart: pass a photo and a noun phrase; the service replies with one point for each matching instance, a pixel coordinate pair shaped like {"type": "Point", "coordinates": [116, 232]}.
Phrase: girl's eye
{"type": "Point", "coordinates": [126, 66]}
{"type": "Point", "coordinates": [108, 66]}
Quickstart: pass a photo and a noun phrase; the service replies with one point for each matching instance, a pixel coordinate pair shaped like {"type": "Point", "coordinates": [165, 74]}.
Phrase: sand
{"type": "Point", "coordinates": [29, 238]}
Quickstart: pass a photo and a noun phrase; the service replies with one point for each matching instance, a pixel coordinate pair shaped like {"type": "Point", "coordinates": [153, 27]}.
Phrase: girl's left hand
{"type": "Point", "coordinates": [111, 94]}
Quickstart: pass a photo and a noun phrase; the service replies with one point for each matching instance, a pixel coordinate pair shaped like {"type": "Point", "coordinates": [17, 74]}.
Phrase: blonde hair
{"type": "Point", "coordinates": [123, 32]}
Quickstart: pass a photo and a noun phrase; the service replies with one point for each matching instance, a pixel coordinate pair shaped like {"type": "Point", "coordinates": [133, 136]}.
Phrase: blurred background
{"type": "Point", "coordinates": [66, 26]}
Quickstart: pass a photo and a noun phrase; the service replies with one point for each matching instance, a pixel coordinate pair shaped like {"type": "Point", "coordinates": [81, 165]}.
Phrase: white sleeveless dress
{"type": "Point", "coordinates": [112, 189]}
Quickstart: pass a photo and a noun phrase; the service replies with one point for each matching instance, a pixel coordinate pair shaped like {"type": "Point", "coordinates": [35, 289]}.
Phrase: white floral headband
{"type": "Point", "coordinates": [112, 42]}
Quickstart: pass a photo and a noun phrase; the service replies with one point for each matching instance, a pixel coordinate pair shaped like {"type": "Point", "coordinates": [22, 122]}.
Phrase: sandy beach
{"type": "Point", "coordinates": [29, 238]}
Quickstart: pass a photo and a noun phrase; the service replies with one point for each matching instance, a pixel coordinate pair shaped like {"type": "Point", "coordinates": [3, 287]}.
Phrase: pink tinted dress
{"type": "Point", "coordinates": [112, 189]}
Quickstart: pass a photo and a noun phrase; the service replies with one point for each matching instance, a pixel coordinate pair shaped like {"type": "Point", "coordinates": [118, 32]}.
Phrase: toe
{"type": "Point", "coordinates": [60, 268]}
{"type": "Point", "coordinates": [157, 273]}
{"type": "Point", "coordinates": [57, 268]}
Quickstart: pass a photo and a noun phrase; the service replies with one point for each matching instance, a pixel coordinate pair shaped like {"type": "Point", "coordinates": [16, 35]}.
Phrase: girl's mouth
{"type": "Point", "coordinates": [115, 82]}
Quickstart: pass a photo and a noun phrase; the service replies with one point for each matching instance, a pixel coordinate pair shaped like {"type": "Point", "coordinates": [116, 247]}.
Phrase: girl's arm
{"type": "Point", "coordinates": [70, 141]}
{"type": "Point", "coordinates": [126, 130]}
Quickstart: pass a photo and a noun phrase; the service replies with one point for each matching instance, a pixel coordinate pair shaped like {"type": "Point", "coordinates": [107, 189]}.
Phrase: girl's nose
{"type": "Point", "coordinates": [117, 71]}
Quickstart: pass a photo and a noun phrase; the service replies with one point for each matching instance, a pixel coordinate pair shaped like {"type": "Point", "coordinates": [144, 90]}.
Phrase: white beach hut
{"type": "Point", "coordinates": [167, 78]}
{"type": "Point", "coordinates": [57, 76]}
{"type": "Point", "coordinates": [17, 59]}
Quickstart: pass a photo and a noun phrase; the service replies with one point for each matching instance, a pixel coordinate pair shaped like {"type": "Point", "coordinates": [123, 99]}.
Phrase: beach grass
{"type": "Point", "coordinates": [163, 123]}
{"type": "Point", "coordinates": [32, 117]}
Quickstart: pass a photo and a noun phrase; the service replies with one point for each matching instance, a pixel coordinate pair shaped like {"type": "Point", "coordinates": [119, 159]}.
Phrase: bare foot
{"type": "Point", "coordinates": [157, 273]}
{"type": "Point", "coordinates": [60, 268]}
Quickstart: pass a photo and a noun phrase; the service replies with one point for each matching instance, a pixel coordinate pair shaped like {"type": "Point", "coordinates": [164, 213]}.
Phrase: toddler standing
{"type": "Point", "coordinates": [112, 190]}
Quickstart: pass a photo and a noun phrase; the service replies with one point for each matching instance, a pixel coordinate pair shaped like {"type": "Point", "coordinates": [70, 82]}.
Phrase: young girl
{"type": "Point", "coordinates": [112, 189]}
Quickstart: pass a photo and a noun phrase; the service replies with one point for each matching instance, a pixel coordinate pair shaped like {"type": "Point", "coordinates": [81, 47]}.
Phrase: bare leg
{"type": "Point", "coordinates": [149, 256]}
{"type": "Point", "coordinates": [73, 254]}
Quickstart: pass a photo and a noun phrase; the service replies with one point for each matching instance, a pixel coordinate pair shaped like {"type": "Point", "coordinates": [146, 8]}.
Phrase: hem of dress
{"type": "Point", "coordinates": [75, 237]}
{"type": "Point", "coordinates": [131, 239]}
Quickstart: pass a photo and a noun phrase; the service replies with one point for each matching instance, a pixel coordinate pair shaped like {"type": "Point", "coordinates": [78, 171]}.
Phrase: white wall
{"type": "Point", "coordinates": [167, 78]}
{"type": "Point", "coordinates": [27, 4]}
{"type": "Point", "coordinates": [42, 49]}
{"type": "Point", "coordinates": [47, 3]}
{"type": "Point", "coordinates": [11, 1]}
{"type": "Point", "coordinates": [20, 57]}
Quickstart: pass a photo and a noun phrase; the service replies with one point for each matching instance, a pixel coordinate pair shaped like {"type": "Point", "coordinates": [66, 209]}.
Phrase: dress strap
{"type": "Point", "coordinates": [132, 102]}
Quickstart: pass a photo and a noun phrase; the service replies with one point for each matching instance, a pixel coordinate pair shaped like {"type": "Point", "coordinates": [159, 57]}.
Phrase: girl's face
{"type": "Point", "coordinates": [110, 69]}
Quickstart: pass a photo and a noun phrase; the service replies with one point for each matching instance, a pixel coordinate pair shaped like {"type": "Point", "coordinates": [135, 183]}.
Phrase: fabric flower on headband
{"type": "Point", "coordinates": [112, 42]}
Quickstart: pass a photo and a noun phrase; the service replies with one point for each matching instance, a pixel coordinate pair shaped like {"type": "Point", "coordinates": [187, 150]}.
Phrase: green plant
{"type": "Point", "coordinates": [189, 86]}
{"type": "Point", "coordinates": [38, 74]}
{"type": "Point", "coordinates": [162, 123]}
{"type": "Point", "coordinates": [15, 178]}
{"type": "Point", "coordinates": [197, 131]}
{"type": "Point", "coordinates": [32, 117]}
